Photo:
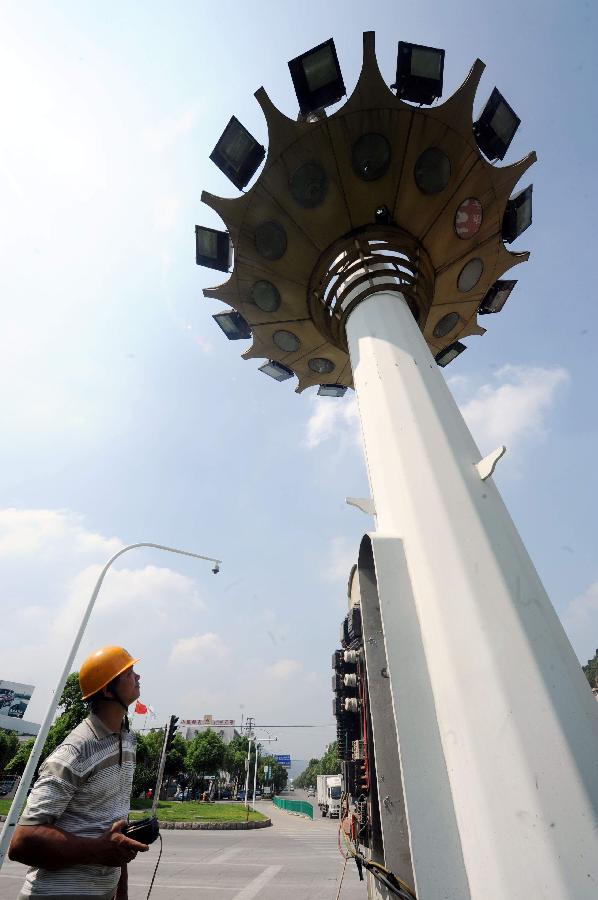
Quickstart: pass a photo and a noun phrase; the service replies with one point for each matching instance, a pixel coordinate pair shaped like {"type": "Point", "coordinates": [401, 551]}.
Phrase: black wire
{"type": "Point", "coordinates": [156, 869]}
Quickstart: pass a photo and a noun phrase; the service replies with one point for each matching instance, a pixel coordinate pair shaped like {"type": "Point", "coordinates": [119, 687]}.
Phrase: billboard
{"type": "Point", "coordinates": [284, 760]}
{"type": "Point", "coordinates": [14, 698]}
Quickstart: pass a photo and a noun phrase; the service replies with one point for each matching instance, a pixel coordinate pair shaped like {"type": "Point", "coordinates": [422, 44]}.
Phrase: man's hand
{"type": "Point", "coordinates": [114, 848]}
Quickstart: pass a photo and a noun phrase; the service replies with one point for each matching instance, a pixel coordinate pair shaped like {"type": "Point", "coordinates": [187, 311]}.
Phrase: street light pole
{"type": "Point", "coordinates": [21, 794]}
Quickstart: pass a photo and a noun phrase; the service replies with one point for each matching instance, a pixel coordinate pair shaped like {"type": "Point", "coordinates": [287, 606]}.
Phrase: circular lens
{"type": "Point", "coordinates": [321, 365]}
{"type": "Point", "coordinates": [371, 156]}
{"type": "Point", "coordinates": [446, 324]}
{"type": "Point", "coordinates": [432, 171]}
{"type": "Point", "coordinates": [470, 275]}
{"type": "Point", "coordinates": [468, 218]}
{"type": "Point", "coordinates": [308, 185]}
{"type": "Point", "coordinates": [270, 240]}
{"type": "Point", "coordinates": [265, 296]}
{"type": "Point", "coordinates": [286, 340]}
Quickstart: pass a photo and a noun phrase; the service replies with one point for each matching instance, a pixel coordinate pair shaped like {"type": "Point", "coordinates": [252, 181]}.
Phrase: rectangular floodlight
{"type": "Point", "coordinates": [420, 72]}
{"type": "Point", "coordinates": [496, 297]}
{"type": "Point", "coordinates": [317, 78]}
{"type": "Point", "coordinates": [449, 353]}
{"type": "Point", "coordinates": [233, 325]}
{"type": "Point", "coordinates": [496, 127]}
{"type": "Point", "coordinates": [237, 153]}
{"type": "Point", "coordinates": [332, 390]}
{"type": "Point", "coordinates": [276, 370]}
{"type": "Point", "coordinates": [213, 248]}
{"type": "Point", "coordinates": [518, 215]}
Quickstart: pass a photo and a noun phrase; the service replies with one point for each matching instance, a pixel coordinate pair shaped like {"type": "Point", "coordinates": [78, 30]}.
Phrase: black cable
{"type": "Point", "coordinates": [156, 869]}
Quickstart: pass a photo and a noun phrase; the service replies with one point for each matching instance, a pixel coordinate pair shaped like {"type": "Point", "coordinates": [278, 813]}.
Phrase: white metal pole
{"type": "Point", "coordinates": [160, 775]}
{"type": "Point", "coordinates": [254, 776]}
{"type": "Point", "coordinates": [247, 772]}
{"type": "Point", "coordinates": [514, 719]}
{"type": "Point", "coordinates": [19, 798]}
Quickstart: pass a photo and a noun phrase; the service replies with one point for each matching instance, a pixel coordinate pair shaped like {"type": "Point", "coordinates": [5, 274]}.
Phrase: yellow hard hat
{"type": "Point", "coordinates": [101, 667]}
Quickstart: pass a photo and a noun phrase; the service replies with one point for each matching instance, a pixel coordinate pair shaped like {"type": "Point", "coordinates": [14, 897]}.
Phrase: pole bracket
{"type": "Point", "coordinates": [365, 504]}
{"type": "Point", "coordinates": [487, 465]}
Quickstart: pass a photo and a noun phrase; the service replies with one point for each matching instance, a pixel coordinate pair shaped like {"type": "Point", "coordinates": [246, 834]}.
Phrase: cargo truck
{"type": "Point", "coordinates": [329, 790]}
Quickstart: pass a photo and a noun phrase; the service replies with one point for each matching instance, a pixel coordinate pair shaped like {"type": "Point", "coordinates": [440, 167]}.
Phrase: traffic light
{"type": "Point", "coordinates": [172, 727]}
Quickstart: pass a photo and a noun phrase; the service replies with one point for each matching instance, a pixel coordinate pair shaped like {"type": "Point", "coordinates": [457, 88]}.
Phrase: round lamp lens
{"type": "Point", "coordinates": [321, 365]}
{"type": "Point", "coordinates": [270, 240]}
{"type": "Point", "coordinates": [432, 171]}
{"type": "Point", "coordinates": [265, 296]}
{"type": "Point", "coordinates": [468, 218]}
{"type": "Point", "coordinates": [371, 156]}
{"type": "Point", "coordinates": [445, 325]}
{"type": "Point", "coordinates": [308, 185]}
{"type": "Point", "coordinates": [286, 340]}
{"type": "Point", "coordinates": [470, 275]}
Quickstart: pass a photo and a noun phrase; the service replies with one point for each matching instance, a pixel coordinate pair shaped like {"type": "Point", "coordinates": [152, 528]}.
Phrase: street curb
{"type": "Point", "coordinates": [206, 826]}
{"type": "Point", "coordinates": [214, 826]}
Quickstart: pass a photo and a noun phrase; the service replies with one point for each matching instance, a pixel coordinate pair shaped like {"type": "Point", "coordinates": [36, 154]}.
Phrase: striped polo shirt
{"type": "Point", "coordinates": [82, 788]}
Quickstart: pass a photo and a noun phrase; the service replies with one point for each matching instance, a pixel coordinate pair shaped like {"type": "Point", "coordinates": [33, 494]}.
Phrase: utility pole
{"type": "Point", "coordinates": [365, 251]}
{"type": "Point", "coordinates": [169, 732]}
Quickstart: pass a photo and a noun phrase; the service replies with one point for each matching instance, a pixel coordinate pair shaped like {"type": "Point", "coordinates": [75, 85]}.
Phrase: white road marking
{"type": "Point", "coordinates": [252, 889]}
{"type": "Point", "coordinates": [223, 856]}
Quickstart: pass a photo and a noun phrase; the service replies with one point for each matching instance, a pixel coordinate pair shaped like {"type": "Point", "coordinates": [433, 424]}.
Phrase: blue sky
{"type": "Point", "coordinates": [126, 415]}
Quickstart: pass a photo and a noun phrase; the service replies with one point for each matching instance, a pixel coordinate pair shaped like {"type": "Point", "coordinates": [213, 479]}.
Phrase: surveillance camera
{"type": "Point", "coordinates": [216, 569]}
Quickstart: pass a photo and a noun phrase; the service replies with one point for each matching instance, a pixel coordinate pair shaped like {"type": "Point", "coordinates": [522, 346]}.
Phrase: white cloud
{"type": "Point", "coordinates": [30, 532]}
{"type": "Point", "coordinates": [580, 620]}
{"type": "Point", "coordinates": [332, 418]}
{"type": "Point", "coordinates": [513, 407]}
{"type": "Point", "coordinates": [199, 649]}
{"type": "Point", "coordinates": [283, 669]}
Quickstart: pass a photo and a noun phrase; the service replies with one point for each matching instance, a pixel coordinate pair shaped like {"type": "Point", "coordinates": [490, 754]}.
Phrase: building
{"type": "Point", "coordinates": [224, 728]}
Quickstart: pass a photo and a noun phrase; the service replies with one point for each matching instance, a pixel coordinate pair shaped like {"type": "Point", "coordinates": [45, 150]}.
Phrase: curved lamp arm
{"type": "Point", "coordinates": [21, 794]}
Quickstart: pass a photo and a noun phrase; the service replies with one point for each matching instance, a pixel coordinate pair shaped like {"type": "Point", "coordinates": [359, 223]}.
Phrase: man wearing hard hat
{"type": "Point", "coordinates": [70, 832]}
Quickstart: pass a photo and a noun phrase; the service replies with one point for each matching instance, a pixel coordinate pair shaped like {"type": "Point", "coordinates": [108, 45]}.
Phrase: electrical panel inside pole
{"type": "Point", "coordinates": [350, 707]}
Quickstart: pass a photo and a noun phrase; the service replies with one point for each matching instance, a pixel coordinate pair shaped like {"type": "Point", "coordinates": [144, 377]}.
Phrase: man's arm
{"type": "Point", "coordinates": [48, 847]}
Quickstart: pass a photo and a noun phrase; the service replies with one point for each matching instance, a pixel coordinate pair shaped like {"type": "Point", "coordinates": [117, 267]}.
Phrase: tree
{"type": "Point", "coordinates": [591, 670]}
{"type": "Point", "coordinates": [17, 764]}
{"type": "Point", "coordinates": [205, 754]}
{"type": "Point", "coordinates": [278, 774]}
{"type": "Point", "coordinates": [329, 764]}
{"type": "Point", "coordinates": [9, 745]}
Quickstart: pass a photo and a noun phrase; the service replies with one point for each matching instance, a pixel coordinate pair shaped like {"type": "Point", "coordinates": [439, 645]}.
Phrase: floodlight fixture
{"type": "Point", "coordinates": [317, 78]}
{"type": "Point", "coordinates": [237, 153]}
{"type": "Point", "coordinates": [496, 127]}
{"type": "Point", "coordinates": [518, 215]}
{"type": "Point", "coordinates": [233, 325]}
{"type": "Point", "coordinates": [213, 248]}
{"type": "Point", "coordinates": [276, 370]}
{"type": "Point", "coordinates": [496, 297]}
{"type": "Point", "coordinates": [449, 353]}
{"type": "Point", "coordinates": [419, 73]}
{"type": "Point", "coordinates": [332, 390]}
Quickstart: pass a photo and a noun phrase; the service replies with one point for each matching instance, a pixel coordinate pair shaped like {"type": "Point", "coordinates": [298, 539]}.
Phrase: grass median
{"type": "Point", "coordinates": [174, 811]}
{"type": "Point", "coordinates": [177, 811]}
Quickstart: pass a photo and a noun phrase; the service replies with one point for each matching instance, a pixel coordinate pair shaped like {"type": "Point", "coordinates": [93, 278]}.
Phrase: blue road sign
{"type": "Point", "coordinates": [284, 761]}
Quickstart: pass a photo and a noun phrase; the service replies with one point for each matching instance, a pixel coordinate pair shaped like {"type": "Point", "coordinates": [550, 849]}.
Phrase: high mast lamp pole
{"type": "Point", "coordinates": [21, 794]}
{"type": "Point", "coordinates": [365, 251]}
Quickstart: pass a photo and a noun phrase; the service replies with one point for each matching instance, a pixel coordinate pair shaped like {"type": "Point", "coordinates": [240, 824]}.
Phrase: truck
{"type": "Point", "coordinates": [329, 790]}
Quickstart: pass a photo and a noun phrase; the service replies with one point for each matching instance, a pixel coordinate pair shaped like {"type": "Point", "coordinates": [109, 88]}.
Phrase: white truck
{"type": "Point", "coordinates": [329, 790]}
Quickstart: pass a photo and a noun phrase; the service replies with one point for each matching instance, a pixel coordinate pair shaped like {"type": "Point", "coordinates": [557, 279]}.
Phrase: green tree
{"type": "Point", "coordinates": [591, 670]}
{"type": "Point", "coordinates": [205, 754]}
{"type": "Point", "coordinates": [278, 774]}
{"type": "Point", "coordinates": [9, 746]}
{"type": "Point", "coordinates": [17, 764]}
{"type": "Point", "coordinates": [149, 747]}
{"type": "Point", "coordinates": [329, 764]}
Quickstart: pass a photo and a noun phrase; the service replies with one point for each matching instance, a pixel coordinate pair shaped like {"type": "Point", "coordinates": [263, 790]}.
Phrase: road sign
{"type": "Point", "coordinates": [284, 761]}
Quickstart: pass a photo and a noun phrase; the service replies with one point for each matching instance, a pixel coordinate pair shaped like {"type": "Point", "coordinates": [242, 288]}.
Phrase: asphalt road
{"type": "Point", "coordinates": [296, 859]}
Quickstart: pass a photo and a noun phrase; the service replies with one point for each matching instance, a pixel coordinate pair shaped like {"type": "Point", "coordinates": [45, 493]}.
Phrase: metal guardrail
{"type": "Point", "coordinates": [299, 807]}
